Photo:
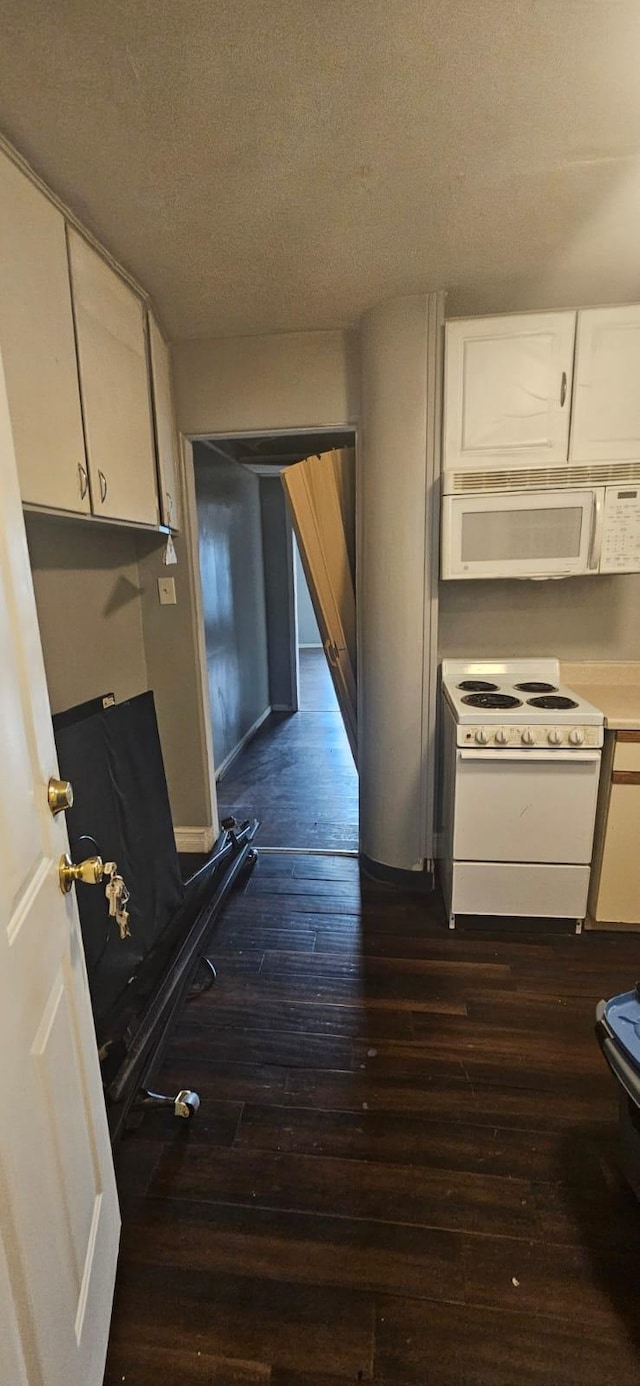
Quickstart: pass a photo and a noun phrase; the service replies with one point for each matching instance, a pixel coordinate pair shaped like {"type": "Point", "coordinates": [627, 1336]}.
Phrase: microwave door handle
{"type": "Point", "coordinates": [597, 525]}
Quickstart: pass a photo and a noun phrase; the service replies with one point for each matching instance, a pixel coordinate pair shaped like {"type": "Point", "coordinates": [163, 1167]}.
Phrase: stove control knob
{"type": "Point", "coordinates": [555, 737]}
{"type": "Point", "coordinates": [528, 737]}
{"type": "Point", "coordinates": [502, 737]}
{"type": "Point", "coordinates": [576, 736]}
{"type": "Point", "coordinates": [481, 737]}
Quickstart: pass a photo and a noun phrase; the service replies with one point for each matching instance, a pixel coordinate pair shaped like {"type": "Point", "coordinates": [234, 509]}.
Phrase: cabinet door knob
{"type": "Point", "coordinates": [103, 486]}
{"type": "Point", "coordinates": [84, 480]}
{"type": "Point", "coordinates": [563, 389]}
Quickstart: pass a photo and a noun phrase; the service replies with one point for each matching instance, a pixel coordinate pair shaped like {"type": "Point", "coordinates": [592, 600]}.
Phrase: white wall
{"type": "Point", "coordinates": [103, 630]}
{"type": "Point", "coordinates": [87, 588]}
{"type": "Point", "coordinates": [395, 457]}
{"type": "Point", "coordinates": [259, 384]}
{"type": "Point", "coordinates": [308, 632]}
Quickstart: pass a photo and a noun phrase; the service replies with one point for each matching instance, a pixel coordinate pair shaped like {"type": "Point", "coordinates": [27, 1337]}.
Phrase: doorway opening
{"type": "Point", "coordinates": [281, 751]}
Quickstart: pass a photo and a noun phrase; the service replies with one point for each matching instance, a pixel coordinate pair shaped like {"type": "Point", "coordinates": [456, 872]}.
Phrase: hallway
{"type": "Point", "coordinates": [297, 774]}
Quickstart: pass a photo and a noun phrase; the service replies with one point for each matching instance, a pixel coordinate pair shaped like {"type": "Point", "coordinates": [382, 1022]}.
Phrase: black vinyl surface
{"type": "Point", "coordinates": [121, 810]}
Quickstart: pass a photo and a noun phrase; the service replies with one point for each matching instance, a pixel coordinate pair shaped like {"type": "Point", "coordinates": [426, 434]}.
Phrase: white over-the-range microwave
{"type": "Point", "coordinates": [544, 534]}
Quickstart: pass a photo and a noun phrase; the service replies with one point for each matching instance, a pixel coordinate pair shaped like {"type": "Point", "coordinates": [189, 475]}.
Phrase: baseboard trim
{"type": "Point", "coordinates": [228, 760]}
{"type": "Point", "coordinates": [310, 647]}
{"type": "Point", "coordinates": [193, 839]}
{"type": "Point", "coordinates": [283, 707]}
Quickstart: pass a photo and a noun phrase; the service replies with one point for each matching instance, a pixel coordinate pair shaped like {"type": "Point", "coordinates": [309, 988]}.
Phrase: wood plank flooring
{"type": "Point", "coordinates": [404, 1170]}
{"type": "Point", "coordinates": [297, 774]}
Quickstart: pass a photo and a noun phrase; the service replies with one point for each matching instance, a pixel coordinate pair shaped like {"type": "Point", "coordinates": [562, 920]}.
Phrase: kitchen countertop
{"type": "Point", "coordinates": [612, 687]}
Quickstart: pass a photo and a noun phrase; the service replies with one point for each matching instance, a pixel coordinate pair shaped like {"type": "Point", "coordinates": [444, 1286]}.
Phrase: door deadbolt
{"type": "Point", "coordinates": [90, 872]}
{"type": "Point", "coordinates": [59, 795]}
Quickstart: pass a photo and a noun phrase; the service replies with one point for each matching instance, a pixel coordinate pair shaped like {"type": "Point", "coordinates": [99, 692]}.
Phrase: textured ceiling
{"type": "Point", "coordinates": [266, 165]}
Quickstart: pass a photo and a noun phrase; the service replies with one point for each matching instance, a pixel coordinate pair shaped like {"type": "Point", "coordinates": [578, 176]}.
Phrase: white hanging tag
{"type": "Point", "coordinates": [170, 555]}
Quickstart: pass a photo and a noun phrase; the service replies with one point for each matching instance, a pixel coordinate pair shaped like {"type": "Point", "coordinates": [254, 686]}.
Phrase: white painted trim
{"type": "Point", "coordinates": [434, 328]}
{"type": "Point", "coordinates": [228, 760]}
{"type": "Point", "coordinates": [293, 431]}
{"type": "Point", "coordinates": [191, 536]}
{"type": "Point", "coordinates": [265, 468]}
{"type": "Point", "coordinates": [317, 645]}
{"type": "Point", "coordinates": [194, 839]}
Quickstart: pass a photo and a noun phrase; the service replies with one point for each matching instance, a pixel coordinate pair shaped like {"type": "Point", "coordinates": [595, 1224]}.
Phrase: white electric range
{"type": "Point", "coordinates": [521, 768]}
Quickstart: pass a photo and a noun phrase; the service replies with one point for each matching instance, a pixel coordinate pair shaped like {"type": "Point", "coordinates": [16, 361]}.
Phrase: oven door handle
{"type": "Point", "coordinates": [566, 756]}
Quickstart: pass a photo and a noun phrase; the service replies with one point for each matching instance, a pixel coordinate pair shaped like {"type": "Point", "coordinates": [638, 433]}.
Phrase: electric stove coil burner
{"type": "Point", "coordinates": [551, 702]}
{"type": "Point", "coordinates": [536, 688]}
{"type": "Point", "coordinates": [479, 686]}
{"type": "Point", "coordinates": [492, 700]}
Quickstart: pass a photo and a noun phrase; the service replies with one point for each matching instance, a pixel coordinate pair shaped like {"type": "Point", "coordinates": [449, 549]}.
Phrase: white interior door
{"type": "Point", "coordinates": [58, 1203]}
{"type": "Point", "coordinates": [606, 409]}
{"type": "Point", "coordinates": [508, 390]}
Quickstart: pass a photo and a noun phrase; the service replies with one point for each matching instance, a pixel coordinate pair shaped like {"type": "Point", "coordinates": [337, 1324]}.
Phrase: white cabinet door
{"type": "Point", "coordinates": [38, 347]}
{"type": "Point", "coordinates": [60, 1220]}
{"type": "Point", "coordinates": [165, 427]}
{"type": "Point", "coordinates": [508, 390]}
{"type": "Point", "coordinates": [605, 424]}
{"type": "Point", "coordinates": [114, 383]}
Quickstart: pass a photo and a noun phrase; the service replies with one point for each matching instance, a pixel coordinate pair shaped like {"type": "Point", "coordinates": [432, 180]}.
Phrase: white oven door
{"type": "Point", "coordinates": [522, 534]}
{"type": "Point", "coordinates": [525, 806]}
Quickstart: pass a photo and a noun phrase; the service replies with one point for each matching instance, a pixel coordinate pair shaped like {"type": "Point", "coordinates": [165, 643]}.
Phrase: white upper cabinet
{"type": "Point", "coordinates": [606, 409]}
{"type": "Point", "coordinates": [165, 427]}
{"type": "Point", "coordinates": [38, 347]}
{"type": "Point", "coordinates": [114, 384]}
{"type": "Point", "coordinates": [508, 390]}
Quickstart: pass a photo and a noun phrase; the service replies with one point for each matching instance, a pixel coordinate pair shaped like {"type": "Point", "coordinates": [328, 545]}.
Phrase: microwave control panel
{"type": "Point", "coordinates": [621, 530]}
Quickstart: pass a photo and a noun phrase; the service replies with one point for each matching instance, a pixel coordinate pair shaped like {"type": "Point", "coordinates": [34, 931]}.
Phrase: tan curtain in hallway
{"type": "Point", "coordinates": [321, 495]}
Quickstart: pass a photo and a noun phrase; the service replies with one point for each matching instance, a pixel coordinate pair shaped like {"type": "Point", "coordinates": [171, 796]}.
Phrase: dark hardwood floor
{"type": "Point", "coordinates": [297, 774]}
{"type": "Point", "coordinates": [404, 1169]}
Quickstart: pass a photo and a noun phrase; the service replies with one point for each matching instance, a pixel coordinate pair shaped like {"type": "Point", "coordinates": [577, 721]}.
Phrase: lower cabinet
{"type": "Point", "coordinates": [615, 884]}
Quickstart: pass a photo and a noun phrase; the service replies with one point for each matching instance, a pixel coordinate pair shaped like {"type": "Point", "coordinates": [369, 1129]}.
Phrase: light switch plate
{"type": "Point", "coordinates": [167, 591]}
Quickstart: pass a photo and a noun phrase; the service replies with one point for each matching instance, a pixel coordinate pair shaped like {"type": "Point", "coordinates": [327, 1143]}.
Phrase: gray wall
{"type": "Point", "coordinates": [103, 630]}
{"type": "Point", "coordinates": [308, 633]}
{"type": "Point", "coordinates": [277, 549]}
{"type": "Point", "coordinates": [233, 599]}
{"type": "Point", "coordinates": [291, 380]}
{"type": "Point", "coordinates": [173, 672]}
{"type": "Point", "coordinates": [87, 590]}
{"type": "Point", "coordinates": [577, 618]}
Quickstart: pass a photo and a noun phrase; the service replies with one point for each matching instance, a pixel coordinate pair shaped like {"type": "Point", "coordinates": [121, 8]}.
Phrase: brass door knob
{"type": "Point", "coordinates": [90, 872]}
{"type": "Point", "coordinates": [59, 795]}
